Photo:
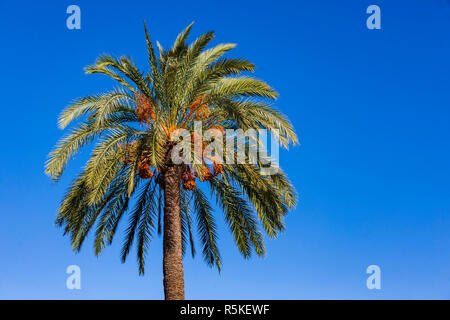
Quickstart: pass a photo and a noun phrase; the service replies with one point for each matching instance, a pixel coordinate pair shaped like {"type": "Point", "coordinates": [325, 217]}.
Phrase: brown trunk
{"type": "Point", "coordinates": [172, 250]}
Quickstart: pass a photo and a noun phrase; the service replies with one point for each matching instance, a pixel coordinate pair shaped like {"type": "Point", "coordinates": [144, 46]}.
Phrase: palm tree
{"type": "Point", "coordinates": [131, 167]}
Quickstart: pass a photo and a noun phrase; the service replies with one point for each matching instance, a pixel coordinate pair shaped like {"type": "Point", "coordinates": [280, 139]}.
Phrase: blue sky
{"type": "Point", "coordinates": [371, 108]}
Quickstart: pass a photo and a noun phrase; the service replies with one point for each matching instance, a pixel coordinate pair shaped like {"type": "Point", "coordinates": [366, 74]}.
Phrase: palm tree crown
{"type": "Point", "coordinates": [130, 164]}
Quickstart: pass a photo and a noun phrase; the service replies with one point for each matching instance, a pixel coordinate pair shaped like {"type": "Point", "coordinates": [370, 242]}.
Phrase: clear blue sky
{"type": "Point", "coordinates": [371, 108]}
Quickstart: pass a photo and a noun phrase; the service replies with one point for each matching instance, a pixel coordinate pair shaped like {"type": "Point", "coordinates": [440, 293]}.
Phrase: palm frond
{"type": "Point", "coordinates": [207, 229]}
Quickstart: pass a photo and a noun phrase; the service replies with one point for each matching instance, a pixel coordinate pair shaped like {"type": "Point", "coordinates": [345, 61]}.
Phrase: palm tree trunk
{"type": "Point", "coordinates": [172, 248]}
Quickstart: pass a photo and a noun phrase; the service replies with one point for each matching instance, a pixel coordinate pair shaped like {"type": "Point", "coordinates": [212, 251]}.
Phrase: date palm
{"type": "Point", "coordinates": [131, 171]}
